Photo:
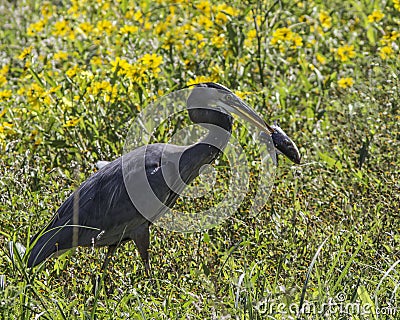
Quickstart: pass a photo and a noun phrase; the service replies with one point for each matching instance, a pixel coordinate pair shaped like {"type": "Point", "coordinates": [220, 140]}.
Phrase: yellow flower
{"type": "Point", "coordinates": [97, 61]}
{"type": "Point", "coordinates": [4, 95]}
{"type": "Point", "coordinates": [389, 37]}
{"type": "Point", "coordinates": [346, 52]}
{"type": "Point", "coordinates": [4, 70]}
{"type": "Point", "coordinates": [251, 34]}
{"type": "Point", "coordinates": [325, 19]}
{"type": "Point", "coordinates": [218, 41]}
{"type": "Point", "coordinates": [105, 26]}
{"type": "Point", "coordinates": [221, 18]}
{"type": "Point", "coordinates": [321, 59]}
{"type": "Point", "coordinates": [72, 71]}
{"type": "Point", "coordinates": [36, 27]}
{"type": "Point", "coordinates": [86, 27]}
{"type": "Point", "coordinates": [71, 122]}
{"type": "Point", "coordinates": [297, 41]}
{"type": "Point", "coordinates": [126, 29]}
{"type": "Point", "coordinates": [199, 79]}
{"type": "Point", "coordinates": [105, 89]}
{"type": "Point", "coordinates": [284, 34]}
{"type": "Point", "coordinates": [2, 113]}
{"type": "Point", "coordinates": [161, 27]}
{"type": "Point", "coordinates": [3, 80]}
{"type": "Point", "coordinates": [205, 7]}
{"type": "Point", "coordinates": [138, 16]}
{"type": "Point", "coordinates": [47, 10]}
{"type": "Point", "coordinates": [26, 52]}
{"type": "Point", "coordinates": [386, 52]}
{"type": "Point", "coordinates": [396, 4]}
{"type": "Point", "coordinates": [151, 61]}
{"type": "Point", "coordinates": [6, 126]}
{"type": "Point", "coordinates": [376, 16]}
{"type": "Point", "coordinates": [204, 22]}
{"type": "Point", "coordinates": [61, 28]}
{"type": "Point", "coordinates": [61, 55]}
{"type": "Point", "coordinates": [345, 82]}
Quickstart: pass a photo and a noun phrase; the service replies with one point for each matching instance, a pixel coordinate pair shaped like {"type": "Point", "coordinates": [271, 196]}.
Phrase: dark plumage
{"type": "Point", "coordinates": [120, 201]}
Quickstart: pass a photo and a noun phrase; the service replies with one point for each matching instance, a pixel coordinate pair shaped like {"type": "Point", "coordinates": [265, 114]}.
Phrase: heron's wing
{"type": "Point", "coordinates": [80, 219]}
{"type": "Point", "coordinates": [100, 211]}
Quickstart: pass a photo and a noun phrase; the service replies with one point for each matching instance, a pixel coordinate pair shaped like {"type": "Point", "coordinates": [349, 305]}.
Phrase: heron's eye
{"type": "Point", "coordinates": [229, 97]}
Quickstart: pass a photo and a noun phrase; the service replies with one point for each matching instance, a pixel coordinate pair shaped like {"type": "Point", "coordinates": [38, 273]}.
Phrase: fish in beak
{"type": "Point", "coordinates": [283, 144]}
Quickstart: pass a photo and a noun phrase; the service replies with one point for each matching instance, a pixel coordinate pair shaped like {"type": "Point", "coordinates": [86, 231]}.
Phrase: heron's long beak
{"type": "Point", "coordinates": [282, 142]}
{"type": "Point", "coordinates": [236, 105]}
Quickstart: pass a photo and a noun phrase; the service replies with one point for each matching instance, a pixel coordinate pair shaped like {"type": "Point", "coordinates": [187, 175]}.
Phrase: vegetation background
{"type": "Point", "coordinates": [73, 74]}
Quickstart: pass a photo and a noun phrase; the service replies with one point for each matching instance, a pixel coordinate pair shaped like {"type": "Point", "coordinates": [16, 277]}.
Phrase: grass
{"type": "Point", "coordinates": [74, 74]}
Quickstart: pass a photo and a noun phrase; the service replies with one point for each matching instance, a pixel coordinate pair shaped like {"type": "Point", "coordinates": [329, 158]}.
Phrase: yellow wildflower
{"type": "Point", "coordinates": [200, 79]}
{"type": "Point", "coordinates": [221, 18]}
{"type": "Point", "coordinates": [204, 22]}
{"type": "Point", "coordinates": [205, 7]}
{"type": "Point", "coordinates": [61, 28]}
{"type": "Point", "coordinates": [5, 95]}
{"type": "Point", "coordinates": [105, 89]}
{"type": "Point", "coordinates": [151, 61]}
{"type": "Point", "coordinates": [396, 4]}
{"type": "Point", "coordinates": [138, 16]}
{"type": "Point", "coordinates": [161, 27]}
{"type": "Point", "coordinates": [105, 26]}
{"type": "Point", "coordinates": [2, 113]}
{"type": "Point", "coordinates": [216, 72]}
{"type": "Point", "coordinates": [72, 71]}
{"type": "Point", "coordinates": [97, 61]}
{"type": "Point", "coordinates": [321, 59]}
{"type": "Point", "coordinates": [218, 40]}
{"type": "Point", "coordinates": [297, 41]}
{"type": "Point", "coordinates": [325, 19]}
{"type": "Point", "coordinates": [346, 52]}
{"type": "Point", "coordinates": [71, 122]}
{"type": "Point", "coordinates": [148, 25]}
{"type": "Point", "coordinates": [251, 34]}
{"type": "Point", "coordinates": [345, 82]}
{"type": "Point", "coordinates": [26, 52]}
{"type": "Point", "coordinates": [37, 96]}
{"type": "Point", "coordinates": [386, 52]}
{"type": "Point", "coordinates": [230, 11]}
{"type": "Point", "coordinates": [4, 70]}
{"type": "Point", "coordinates": [61, 55]}
{"type": "Point", "coordinates": [389, 37]}
{"type": "Point", "coordinates": [3, 73]}
{"type": "Point", "coordinates": [3, 80]}
{"type": "Point", "coordinates": [376, 16]}
{"type": "Point", "coordinates": [6, 126]}
{"type": "Point", "coordinates": [36, 27]}
{"type": "Point", "coordinates": [284, 34]}
{"type": "Point", "coordinates": [126, 29]}
{"type": "Point", "coordinates": [47, 10]}
{"type": "Point", "coordinates": [86, 27]}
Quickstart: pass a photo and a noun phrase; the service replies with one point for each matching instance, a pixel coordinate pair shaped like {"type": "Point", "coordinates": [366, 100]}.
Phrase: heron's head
{"type": "Point", "coordinates": [208, 100]}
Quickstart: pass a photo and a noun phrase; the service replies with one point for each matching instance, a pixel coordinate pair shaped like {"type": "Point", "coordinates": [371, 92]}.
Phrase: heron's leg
{"type": "Point", "coordinates": [96, 279]}
{"type": "Point", "coordinates": [110, 252]}
{"type": "Point", "coordinates": [141, 237]}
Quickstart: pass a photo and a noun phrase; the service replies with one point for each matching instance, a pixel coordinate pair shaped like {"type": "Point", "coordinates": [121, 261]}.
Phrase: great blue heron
{"type": "Point", "coordinates": [101, 212]}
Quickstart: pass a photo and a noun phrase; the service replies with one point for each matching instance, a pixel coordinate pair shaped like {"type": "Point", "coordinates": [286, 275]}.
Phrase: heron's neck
{"type": "Point", "coordinates": [205, 151]}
